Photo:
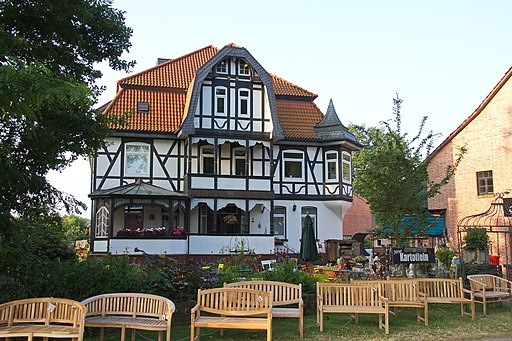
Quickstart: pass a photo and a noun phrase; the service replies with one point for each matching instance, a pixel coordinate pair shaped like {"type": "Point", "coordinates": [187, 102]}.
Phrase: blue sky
{"type": "Point", "coordinates": [441, 57]}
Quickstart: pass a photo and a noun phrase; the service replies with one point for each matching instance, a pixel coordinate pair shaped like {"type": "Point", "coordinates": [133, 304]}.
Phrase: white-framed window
{"type": "Point", "coordinates": [243, 101]}
{"type": "Point", "coordinates": [293, 164]}
{"type": "Point", "coordinates": [207, 160]}
{"type": "Point", "coordinates": [311, 211]}
{"type": "Point", "coordinates": [220, 100]}
{"type": "Point", "coordinates": [136, 159]}
{"type": "Point", "coordinates": [331, 164]}
{"type": "Point", "coordinates": [484, 182]}
{"type": "Point", "coordinates": [222, 67]}
{"type": "Point", "coordinates": [239, 161]}
{"type": "Point", "coordinates": [346, 167]}
{"type": "Point", "coordinates": [102, 216]}
{"type": "Point", "coordinates": [280, 222]}
{"type": "Point", "coordinates": [243, 68]}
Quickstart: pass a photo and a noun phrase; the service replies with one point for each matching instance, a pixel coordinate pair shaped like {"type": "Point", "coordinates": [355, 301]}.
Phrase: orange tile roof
{"type": "Point", "coordinates": [165, 110]}
{"type": "Point", "coordinates": [175, 73]}
{"type": "Point", "coordinates": [284, 88]}
{"type": "Point", "coordinates": [162, 85]}
{"type": "Point", "coordinates": [298, 118]}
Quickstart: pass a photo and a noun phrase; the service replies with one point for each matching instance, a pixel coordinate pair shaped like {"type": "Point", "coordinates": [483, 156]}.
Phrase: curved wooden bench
{"type": "Point", "coordinates": [130, 311]}
{"type": "Point", "coordinates": [231, 308]}
{"type": "Point", "coordinates": [286, 300]}
{"type": "Point", "coordinates": [342, 298]}
{"type": "Point", "coordinates": [42, 317]}
{"type": "Point", "coordinates": [490, 288]}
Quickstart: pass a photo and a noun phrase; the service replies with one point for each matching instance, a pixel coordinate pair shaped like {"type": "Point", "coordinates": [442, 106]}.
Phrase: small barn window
{"type": "Point", "coordinates": [142, 107]}
{"type": "Point", "coordinates": [484, 182]}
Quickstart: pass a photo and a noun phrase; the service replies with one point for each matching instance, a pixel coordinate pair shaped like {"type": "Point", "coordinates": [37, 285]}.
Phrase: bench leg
{"type": "Point", "coordinates": [321, 320]}
{"type": "Point", "coordinates": [159, 336]}
{"type": "Point", "coordinates": [102, 333]}
{"type": "Point", "coordinates": [269, 334]}
{"type": "Point", "coordinates": [301, 327]}
{"type": "Point", "coordinates": [386, 319]}
{"type": "Point", "coordinates": [123, 333]}
{"type": "Point", "coordinates": [133, 334]}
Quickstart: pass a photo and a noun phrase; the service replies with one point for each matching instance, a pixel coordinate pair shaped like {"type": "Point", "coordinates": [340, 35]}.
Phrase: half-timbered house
{"type": "Point", "coordinates": [210, 153]}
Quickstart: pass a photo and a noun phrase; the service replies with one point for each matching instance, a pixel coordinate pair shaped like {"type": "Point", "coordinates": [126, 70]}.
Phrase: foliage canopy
{"type": "Point", "coordinates": [390, 172]}
{"type": "Point", "coordinates": [48, 54]}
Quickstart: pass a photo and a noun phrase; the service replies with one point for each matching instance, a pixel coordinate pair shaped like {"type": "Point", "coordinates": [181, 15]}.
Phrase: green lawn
{"type": "Point", "coordinates": [445, 323]}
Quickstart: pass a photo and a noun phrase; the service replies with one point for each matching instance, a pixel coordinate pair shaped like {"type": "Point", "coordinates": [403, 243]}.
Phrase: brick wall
{"type": "Point", "coordinates": [358, 217]}
{"type": "Point", "coordinates": [487, 135]}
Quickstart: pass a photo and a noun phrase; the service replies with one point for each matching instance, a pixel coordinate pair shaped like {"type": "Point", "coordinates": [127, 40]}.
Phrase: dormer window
{"type": "Point", "coordinates": [222, 67]}
{"type": "Point", "coordinates": [243, 68]}
{"type": "Point", "coordinates": [142, 107]}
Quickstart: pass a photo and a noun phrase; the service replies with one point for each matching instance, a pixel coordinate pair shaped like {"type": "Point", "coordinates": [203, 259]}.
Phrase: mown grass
{"type": "Point", "coordinates": [445, 323]}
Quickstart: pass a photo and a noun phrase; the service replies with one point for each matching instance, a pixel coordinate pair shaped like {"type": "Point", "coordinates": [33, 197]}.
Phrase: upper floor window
{"type": "Point", "coordinates": [484, 182]}
{"type": "Point", "coordinates": [239, 161]}
{"type": "Point", "coordinates": [293, 164]}
{"type": "Point", "coordinates": [243, 68]}
{"type": "Point", "coordinates": [222, 67]}
{"type": "Point", "coordinates": [280, 222]}
{"type": "Point", "coordinates": [332, 165]}
{"type": "Point", "coordinates": [207, 160]}
{"type": "Point", "coordinates": [346, 167]}
{"type": "Point", "coordinates": [311, 211]}
{"type": "Point", "coordinates": [220, 100]}
{"type": "Point", "coordinates": [137, 159]}
{"type": "Point", "coordinates": [243, 101]}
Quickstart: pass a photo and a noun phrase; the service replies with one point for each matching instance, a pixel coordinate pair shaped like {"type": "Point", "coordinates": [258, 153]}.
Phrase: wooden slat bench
{"type": "Point", "coordinates": [448, 291]}
{"type": "Point", "coordinates": [490, 288]}
{"type": "Point", "coordinates": [42, 317]}
{"type": "Point", "coordinates": [231, 308]}
{"type": "Point", "coordinates": [130, 311]}
{"type": "Point", "coordinates": [343, 298]}
{"type": "Point", "coordinates": [403, 294]}
{"type": "Point", "coordinates": [286, 301]}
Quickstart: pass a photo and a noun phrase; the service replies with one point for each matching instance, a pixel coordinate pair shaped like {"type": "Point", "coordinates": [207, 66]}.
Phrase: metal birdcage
{"type": "Point", "coordinates": [497, 224]}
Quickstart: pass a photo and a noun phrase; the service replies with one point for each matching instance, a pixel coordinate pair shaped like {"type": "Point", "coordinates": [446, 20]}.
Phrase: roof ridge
{"type": "Point", "coordinates": [503, 80]}
{"type": "Point", "coordinates": [292, 84]}
{"type": "Point", "coordinates": [165, 63]}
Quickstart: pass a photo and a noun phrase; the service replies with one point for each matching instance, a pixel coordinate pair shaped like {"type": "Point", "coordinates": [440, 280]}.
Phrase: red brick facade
{"type": "Point", "coordinates": [358, 217]}
{"type": "Point", "coordinates": [487, 136]}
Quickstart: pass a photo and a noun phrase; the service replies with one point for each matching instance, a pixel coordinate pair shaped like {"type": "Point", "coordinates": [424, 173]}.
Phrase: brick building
{"type": "Point", "coordinates": [485, 169]}
{"type": "Point", "coordinates": [358, 217]}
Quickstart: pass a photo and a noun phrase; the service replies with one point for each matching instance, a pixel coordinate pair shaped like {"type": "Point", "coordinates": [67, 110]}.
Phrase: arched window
{"type": "Point", "coordinates": [102, 217]}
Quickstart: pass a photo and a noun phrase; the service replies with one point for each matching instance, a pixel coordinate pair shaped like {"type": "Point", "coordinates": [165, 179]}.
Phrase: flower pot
{"type": "Point", "coordinates": [494, 259]}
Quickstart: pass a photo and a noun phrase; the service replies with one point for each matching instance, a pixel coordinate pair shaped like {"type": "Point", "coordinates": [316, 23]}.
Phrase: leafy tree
{"type": "Point", "coordinates": [76, 227]}
{"type": "Point", "coordinates": [390, 172]}
{"type": "Point", "coordinates": [48, 54]}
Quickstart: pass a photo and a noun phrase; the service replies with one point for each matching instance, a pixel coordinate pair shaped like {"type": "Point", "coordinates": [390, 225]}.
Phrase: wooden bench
{"type": "Point", "coordinates": [42, 317]}
{"type": "Point", "coordinates": [343, 298]}
{"type": "Point", "coordinates": [448, 291]}
{"type": "Point", "coordinates": [231, 308]}
{"type": "Point", "coordinates": [130, 311]}
{"type": "Point", "coordinates": [490, 288]}
{"type": "Point", "coordinates": [403, 294]}
{"type": "Point", "coordinates": [286, 301]}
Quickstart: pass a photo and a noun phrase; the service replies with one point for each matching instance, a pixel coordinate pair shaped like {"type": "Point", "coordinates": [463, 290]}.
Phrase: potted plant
{"type": "Point", "coordinates": [476, 246]}
{"type": "Point", "coordinates": [445, 256]}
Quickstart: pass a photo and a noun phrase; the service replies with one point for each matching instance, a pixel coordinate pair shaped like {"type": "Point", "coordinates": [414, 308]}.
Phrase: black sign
{"type": "Point", "coordinates": [507, 207]}
{"type": "Point", "coordinates": [413, 255]}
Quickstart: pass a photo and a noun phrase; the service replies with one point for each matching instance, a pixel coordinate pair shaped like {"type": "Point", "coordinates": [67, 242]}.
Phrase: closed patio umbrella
{"type": "Point", "coordinates": [308, 250]}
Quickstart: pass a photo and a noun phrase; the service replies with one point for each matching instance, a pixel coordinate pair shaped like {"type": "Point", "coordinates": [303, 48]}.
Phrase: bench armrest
{"type": "Point", "coordinates": [194, 310]}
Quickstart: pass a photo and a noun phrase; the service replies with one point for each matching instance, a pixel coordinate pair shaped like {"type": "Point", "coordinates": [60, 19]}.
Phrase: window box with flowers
{"type": "Point", "coordinates": [151, 232]}
{"type": "Point", "coordinates": [179, 232]}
